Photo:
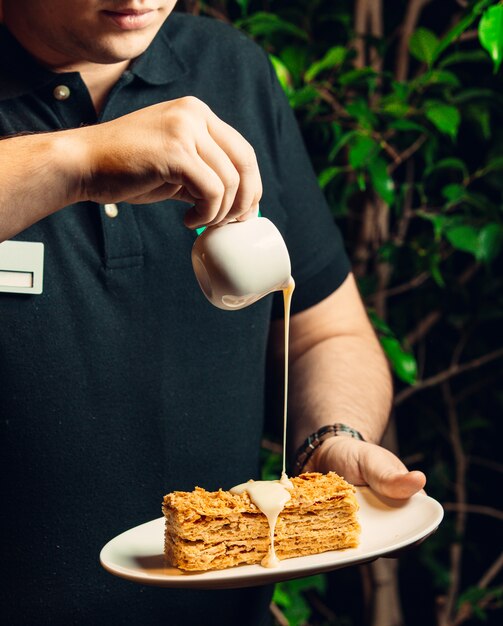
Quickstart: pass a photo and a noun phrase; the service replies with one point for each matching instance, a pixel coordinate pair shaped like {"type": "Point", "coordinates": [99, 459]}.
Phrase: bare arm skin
{"type": "Point", "coordinates": [177, 149]}
{"type": "Point", "coordinates": [338, 373]}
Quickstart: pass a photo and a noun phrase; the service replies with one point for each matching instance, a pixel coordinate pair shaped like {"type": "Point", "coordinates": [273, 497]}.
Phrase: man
{"type": "Point", "coordinates": [120, 382]}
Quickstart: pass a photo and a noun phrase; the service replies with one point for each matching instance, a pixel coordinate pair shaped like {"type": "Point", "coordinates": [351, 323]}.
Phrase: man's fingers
{"type": "Point", "coordinates": [244, 160]}
{"type": "Point", "coordinates": [398, 485]}
{"type": "Point", "coordinates": [221, 164]}
{"type": "Point", "coordinates": [253, 212]}
{"type": "Point", "coordinates": [363, 463]}
{"type": "Point", "coordinates": [386, 474]}
{"type": "Point", "coordinates": [185, 152]}
{"type": "Point", "coordinates": [205, 186]}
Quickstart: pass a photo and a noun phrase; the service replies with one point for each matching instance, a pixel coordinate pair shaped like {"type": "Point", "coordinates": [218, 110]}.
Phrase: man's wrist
{"type": "Point", "coordinates": [317, 438]}
{"type": "Point", "coordinates": [71, 150]}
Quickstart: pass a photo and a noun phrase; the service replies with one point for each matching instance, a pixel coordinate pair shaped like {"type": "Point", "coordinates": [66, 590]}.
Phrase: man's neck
{"type": "Point", "coordinates": [98, 77]}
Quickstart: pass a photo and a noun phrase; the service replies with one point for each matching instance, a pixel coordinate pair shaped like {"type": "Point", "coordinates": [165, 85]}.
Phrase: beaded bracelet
{"type": "Point", "coordinates": [315, 440]}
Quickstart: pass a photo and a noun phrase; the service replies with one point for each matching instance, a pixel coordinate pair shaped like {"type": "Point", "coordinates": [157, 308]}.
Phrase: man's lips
{"type": "Point", "coordinates": [131, 19]}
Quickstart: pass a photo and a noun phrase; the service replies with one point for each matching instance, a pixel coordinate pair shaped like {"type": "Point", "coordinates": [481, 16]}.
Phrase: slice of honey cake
{"type": "Point", "coordinates": [215, 530]}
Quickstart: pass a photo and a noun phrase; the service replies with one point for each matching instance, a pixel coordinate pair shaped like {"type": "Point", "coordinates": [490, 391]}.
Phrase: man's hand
{"type": "Point", "coordinates": [362, 463]}
{"type": "Point", "coordinates": [178, 149]}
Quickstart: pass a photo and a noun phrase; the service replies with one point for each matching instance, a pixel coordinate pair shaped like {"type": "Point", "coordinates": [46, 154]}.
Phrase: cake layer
{"type": "Point", "coordinates": [215, 530]}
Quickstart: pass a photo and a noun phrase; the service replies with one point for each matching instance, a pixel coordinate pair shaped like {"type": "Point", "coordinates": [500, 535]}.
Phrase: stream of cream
{"type": "Point", "coordinates": [270, 496]}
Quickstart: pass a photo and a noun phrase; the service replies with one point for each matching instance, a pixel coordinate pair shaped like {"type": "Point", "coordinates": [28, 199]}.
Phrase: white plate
{"type": "Point", "coordinates": [387, 526]}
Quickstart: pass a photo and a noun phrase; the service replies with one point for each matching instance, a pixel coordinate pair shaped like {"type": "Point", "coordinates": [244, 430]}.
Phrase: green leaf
{"type": "Point", "coordinates": [479, 201]}
{"type": "Point", "coordinates": [437, 77]}
{"type": "Point", "coordinates": [328, 174]}
{"type": "Point", "coordinates": [491, 34]}
{"type": "Point", "coordinates": [464, 238]}
{"type": "Point", "coordinates": [439, 222]}
{"type": "Point", "coordinates": [466, 95]}
{"type": "Point", "coordinates": [359, 109]}
{"type": "Point", "coordinates": [475, 423]}
{"type": "Point", "coordinates": [434, 260]}
{"type": "Point", "coordinates": [431, 149]}
{"type": "Point", "coordinates": [387, 252]}
{"type": "Point", "coordinates": [344, 139]}
{"type": "Point", "coordinates": [335, 56]}
{"type": "Point", "coordinates": [493, 165]}
{"type": "Point", "coordinates": [302, 96]}
{"type": "Point", "coordinates": [294, 605]}
{"type": "Point", "coordinates": [403, 363]}
{"type": "Point", "coordinates": [281, 597]}
{"type": "Point", "coordinates": [361, 151]}
{"type": "Point", "coordinates": [459, 28]}
{"type": "Point", "coordinates": [395, 108]}
{"type": "Point", "coordinates": [395, 103]}
{"type": "Point", "coordinates": [244, 6]}
{"type": "Point", "coordinates": [379, 324]}
{"type": "Point", "coordinates": [490, 242]}
{"type": "Point", "coordinates": [355, 76]}
{"type": "Point", "coordinates": [407, 125]}
{"type": "Point", "coordinates": [381, 180]}
{"type": "Point", "coordinates": [422, 45]}
{"type": "Point", "coordinates": [454, 192]}
{"type": "Point", "coordinates": [271, 464]}
{"type": "Point", "coordinates": [444, 117]}
{"type": "Point", "coordinates": [480, 116]}
{"type": "Point", "coordinates": [471, 56]}
{"type": "Point", "coordinates": [401, 90]}
{"type": "Point", "coordinates": [263, 23]}
{"type": "Point", "coordinates": [475, 596]}
{"type": "Point", "coordinates": [317, 582]}
{"type": "Point", "coordinates": [451, 163]}
{"type": "Point", "coordinates": [296, 59]}
{"type": "Point", "coordinates": [282, 73]}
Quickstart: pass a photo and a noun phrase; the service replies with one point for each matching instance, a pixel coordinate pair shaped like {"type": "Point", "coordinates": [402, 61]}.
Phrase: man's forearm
{"type": "Point", "coordinates": [39, 174]}
{"type": "Point", "coordinates": [338, 372]}
{"type": "Point", "coordinates": [342, 379]}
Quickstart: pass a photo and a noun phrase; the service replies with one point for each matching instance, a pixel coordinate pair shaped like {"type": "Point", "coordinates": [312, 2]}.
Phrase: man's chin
{"type": "Point", "coordinates": [117, 52]}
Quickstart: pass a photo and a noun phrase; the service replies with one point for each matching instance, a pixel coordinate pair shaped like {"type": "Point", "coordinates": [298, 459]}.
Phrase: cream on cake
{"type": "Point", "coordinates": [216, 530]}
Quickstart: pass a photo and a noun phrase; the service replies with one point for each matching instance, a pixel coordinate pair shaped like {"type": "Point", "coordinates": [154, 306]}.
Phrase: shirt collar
{"type": "Point", "coordinates": [21, 74]}
{"type": "Point", "coordinates": [159, 64]}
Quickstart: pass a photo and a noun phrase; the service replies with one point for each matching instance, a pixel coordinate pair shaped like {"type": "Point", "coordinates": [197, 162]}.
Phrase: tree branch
{"type": "Point", "coordinates": [417, 281]}
{"type": "Point", "coordinates": [468, 35]}
{"type": "Point", "coordinates": [412, 15]}
{"type": "Point", "coordinates": [407, 213]}
{"type": "Point", "coordinates": [407, 153]}
{"type": "Point", "coordinates": [473, 508]}
{"type": "Point", "coordinates": [442, 377]}
{"type": "Point", "coordinates": [278, 614]}
{"type": "Point", "coordinates": [483, 462]}
{"type": "Point", "coordinates": [329, 98]}
{"type": "Point", "coordinates": [375, 10]}
{"type": "Point", "coordinates": [466, 610]}
{"type": "Point", "coordinates": [456, 549]}
{"type": "Point", "coordinates": [491, 573]}
{"type": "Point", "coordinates": [425, 325]}
{"type": "Point", "coordinates": [360, 22]}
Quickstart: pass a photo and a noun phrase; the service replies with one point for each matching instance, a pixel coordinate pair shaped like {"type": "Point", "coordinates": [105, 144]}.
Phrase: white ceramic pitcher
{"type": "Point", "coordinates": [240, 262]}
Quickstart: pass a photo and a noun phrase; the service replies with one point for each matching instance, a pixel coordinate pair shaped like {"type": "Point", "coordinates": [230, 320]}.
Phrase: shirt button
{"type": "Point", "coordinates": [112, 210]}
{"type": "Point", "coordinates": [61, 92]}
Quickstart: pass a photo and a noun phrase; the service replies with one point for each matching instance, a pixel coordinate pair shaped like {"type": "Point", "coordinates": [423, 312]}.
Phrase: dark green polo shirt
{"type": "Point", "coordinates": [120, 382]}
